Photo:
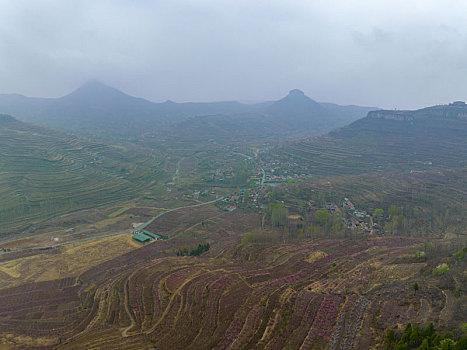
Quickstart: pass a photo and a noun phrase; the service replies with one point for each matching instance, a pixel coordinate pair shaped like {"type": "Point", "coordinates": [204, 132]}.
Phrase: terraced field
{"type": "Point", "coordinates": [45, 173]}
{"type": "Point", "coordinates": [434, 188]}
{"type": "Point", "coordinates": [317, 294]}
{"type": "Point", "coordinates": [435, 138]}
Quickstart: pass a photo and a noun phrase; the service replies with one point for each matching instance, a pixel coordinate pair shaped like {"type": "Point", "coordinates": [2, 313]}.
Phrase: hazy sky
{"type": "Point", "coordinates": [391, 53]}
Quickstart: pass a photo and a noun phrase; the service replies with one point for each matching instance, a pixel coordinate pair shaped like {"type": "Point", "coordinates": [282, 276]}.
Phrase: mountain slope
{"type": "Point", "coordinates": [427, 139]}
{"type": "Point", "coordinates": [45, 173]}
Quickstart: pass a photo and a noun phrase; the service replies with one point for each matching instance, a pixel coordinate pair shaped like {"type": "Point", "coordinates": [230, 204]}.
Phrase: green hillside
{"type": "Point", "coordinates": [44, 173]}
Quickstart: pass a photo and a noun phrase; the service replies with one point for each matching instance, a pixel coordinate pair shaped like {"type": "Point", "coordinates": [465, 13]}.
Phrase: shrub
{"type": "Point", "coordinates": [441, 269]}
{"type": "Point", "coordinates": [463, 328]}
{"type": "Point", "coordinates": [322, 216]}
{"type": "Point", "coordinates": [194, 252]}
{"type": "Point", "coordinates": [201, 249]}
{"type": "Point", "coordinates": [420, 255]}
{"type": "Point", "coordinates": [460, 254]}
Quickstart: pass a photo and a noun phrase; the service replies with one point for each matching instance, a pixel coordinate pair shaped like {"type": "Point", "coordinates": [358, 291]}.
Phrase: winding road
{"type": "Point", "coordinates": [140, 227]}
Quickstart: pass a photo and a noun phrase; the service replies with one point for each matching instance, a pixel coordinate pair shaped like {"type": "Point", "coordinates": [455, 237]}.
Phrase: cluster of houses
{"type": "Point", "coordinates": [222, 174]}
{"type": "Point", "coordinates": [256, 176]}
{"type": "Point", "coordinates": [196, 194]}
{"type": "Point", "coordinates": [331, 208]}
{"type": "Point", "coordinates": [231, 202]}
{"type": "Point", "coordinates": [254, 195]}
{"type": "Point", "coordinates": [278, 171]}
{"type": "Point", "coordinates": [354, 219]}
{"type": "Point", "coordinates": [245, 198]}
{"type": "Point", "coordinates": [359, 219]}
{"type": "Point", "coordinates": [347, 204]}
{"type": "Point", "coordinates": [230, 207]}
{"type": "Point", "coordinates": [355, 224]}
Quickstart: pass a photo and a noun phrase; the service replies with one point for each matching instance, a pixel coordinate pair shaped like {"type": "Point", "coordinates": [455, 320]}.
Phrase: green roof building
{"type": "Point", "coordinates": [153, 235]}
{"type": "Point", "coordinates": [141, 237]}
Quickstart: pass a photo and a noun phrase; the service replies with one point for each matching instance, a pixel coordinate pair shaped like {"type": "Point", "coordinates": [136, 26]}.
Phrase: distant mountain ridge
{"type": "Point", "coordinates": [97, 108]}
{"type": "Point", "coordinates": [102, 110]}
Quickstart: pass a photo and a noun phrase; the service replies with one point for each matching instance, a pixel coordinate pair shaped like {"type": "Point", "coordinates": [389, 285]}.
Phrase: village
{"type": "Point", "coordinates": [355, 219]}
{"type": "Point", "coordinates": [279, 171]}
{"type": "Point", "coordinates": [250, 187]}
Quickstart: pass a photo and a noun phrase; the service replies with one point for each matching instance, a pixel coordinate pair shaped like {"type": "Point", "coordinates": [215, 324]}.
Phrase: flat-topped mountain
{"type": "Point", "coordinates": [100, 110]}
{"type": "Point", "coordinates": [455, 110]}
{"type": "Point", "coordinates": [426, 139]}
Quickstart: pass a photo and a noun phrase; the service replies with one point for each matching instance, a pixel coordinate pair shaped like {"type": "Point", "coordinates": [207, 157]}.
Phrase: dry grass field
{"type": "Point", "coordinates": [65, 261]}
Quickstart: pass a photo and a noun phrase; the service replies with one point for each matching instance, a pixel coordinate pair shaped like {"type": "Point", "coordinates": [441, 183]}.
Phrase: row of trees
{"type": "Point", "coordinates": [415, 220]}
{"type": "Point", "coordinates": [308, 225]}
{"type": "Point", "coordinates": [411, 216]}
{"type": "Point", "coordinates": [393, 219]}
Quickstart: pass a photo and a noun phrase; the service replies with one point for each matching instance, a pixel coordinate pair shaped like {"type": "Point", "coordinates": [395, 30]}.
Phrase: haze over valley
{"type": "Point", "coordinates": [330, 213]}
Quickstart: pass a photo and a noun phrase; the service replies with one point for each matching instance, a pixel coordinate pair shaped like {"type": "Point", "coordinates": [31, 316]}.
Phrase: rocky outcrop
{"type": "Point", "coordinates": [455, 110]}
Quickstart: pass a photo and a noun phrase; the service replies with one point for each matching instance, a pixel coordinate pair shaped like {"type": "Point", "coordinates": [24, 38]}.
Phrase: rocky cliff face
{"type": "Point", "coordinates": [456, 110]}
{"type": "Point", "coordinates": [392, 115]}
